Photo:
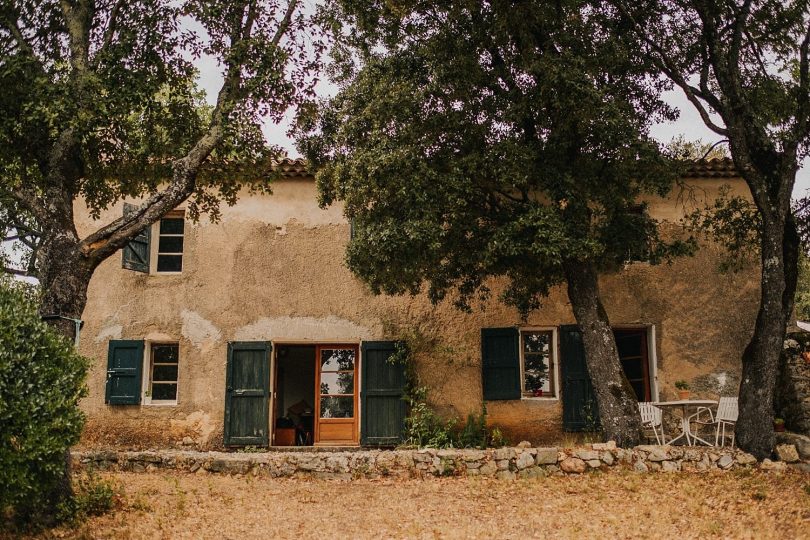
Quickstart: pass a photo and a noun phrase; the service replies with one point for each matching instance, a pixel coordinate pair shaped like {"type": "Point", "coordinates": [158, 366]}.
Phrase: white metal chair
{"type": "Point", "coordinates": [726, 415]}
{"type": "Point", "coordinates": [651, 418]}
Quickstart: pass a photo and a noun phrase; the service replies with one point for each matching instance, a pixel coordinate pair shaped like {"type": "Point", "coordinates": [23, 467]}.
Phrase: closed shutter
{"type": "Point", "coordinates": [580, 412]}
{"type": "Point", "coordinates": [500, 361]}
{"type": "Point", "coordinates": [124, 369]}
{"type": "Point", "coordinates": [383, 389]}
{"type": "Point", "coordinates": [136, 253]}
{"type": "Point", "coordinates": [247, 394]}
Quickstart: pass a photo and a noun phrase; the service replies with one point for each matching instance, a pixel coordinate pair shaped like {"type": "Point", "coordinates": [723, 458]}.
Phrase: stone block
{"type": "Point", "coordinates": [489, 468]}
{"type": "Point", "coordinates": [505, 475]}
{"type": "Point", "coordinates": [586, 455]}
{"type": "Point", "coordinates": [658, 454]}
{"type": "Point", "coordinates": [594, 463]}
{"type": "Point", "coordinates": [572, 465]}
{"type": "Point", "coordinates": [504, 453]}
{"type": "Point", "coordinates": [531, 472]}
{"type": "Point", "coordinates": [607, 458]}
{"type": "Point", "coordinates": [524, 444]}
{"type": "Point", "coordinates": [725, 462]}
{"type": "Point", "coordinates": [670, 466]}
{"type": "Point", "coordinates": [546, 456]}
{"type": "Point", "coordinates": [787, 453]}
{"type": "Point", "coordinates": [775, 466]}
{"type": "Point", "coordinates": [524, 461]}
{"type": "Point", "coordinates": [640, 466]}
{"type": "Point", "coordinates": [610, 445]}
{"type": "Point", "coordinates": [502, 464]}
{"type": "Point", "coordinates": [744, 458]}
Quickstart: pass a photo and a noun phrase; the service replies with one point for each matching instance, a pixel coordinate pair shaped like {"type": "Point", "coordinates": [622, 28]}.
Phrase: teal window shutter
{"type": "Point", "coordinates": [383, 406]}
{"type": "Point", "coordinates": [124, 371]}
{"type": "Point", "coordinates": [500, 362]}
{"type": "Point", "coordinates": [136, 253]}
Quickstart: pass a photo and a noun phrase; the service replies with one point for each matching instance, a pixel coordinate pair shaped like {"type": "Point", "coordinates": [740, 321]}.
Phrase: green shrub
{"type": "Point", "coordinates": [41, 382]}
{"type": "Point", "coordinates": [475, 433]}
{"type": "Point", "coordinates": [92, 497]}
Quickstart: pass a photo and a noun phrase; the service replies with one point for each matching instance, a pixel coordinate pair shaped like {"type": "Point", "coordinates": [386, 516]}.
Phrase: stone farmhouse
{"type": "Point", "coordinates": [251, 331]}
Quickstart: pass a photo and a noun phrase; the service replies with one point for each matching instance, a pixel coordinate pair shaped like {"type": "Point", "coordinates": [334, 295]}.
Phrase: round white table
{"type": "Point", "coordinates": [685, 404]}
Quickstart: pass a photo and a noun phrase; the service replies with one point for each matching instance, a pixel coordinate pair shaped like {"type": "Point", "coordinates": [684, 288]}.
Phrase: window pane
{"type": "Point", "coordinates": [170, 263]}
{"type": "Point", "coordinates": [337, 360]}
{"type": "Point", "coordinates": [165, 354]}
{"type": "Point", "coordinates": [337, 383]}
{"type": "Point", "coordinates": [170, 244]}
{"type": "Point", "coordinates": [633, 369]}
{"type": "Point", "coordinates": [628, 344]}
{"type": "Point", "coordinates": [536, 374]}
{"type": "Point", "coordinates": [172, 225]}
{"type": "Point", "coordinates": [536, 342]}
{"type": "Point", "coordinates": [164, 373]}
{"type": "Point", "coordinates": [337, 407]}
{"type": "Point", "coordinates": [163, 391]}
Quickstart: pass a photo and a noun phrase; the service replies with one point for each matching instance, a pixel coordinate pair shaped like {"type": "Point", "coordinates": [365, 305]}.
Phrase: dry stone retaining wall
{"type": "Point", "coordinates": [502, 463]}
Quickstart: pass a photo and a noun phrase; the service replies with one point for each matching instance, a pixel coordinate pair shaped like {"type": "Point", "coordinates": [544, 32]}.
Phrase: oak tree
{"type": "Point", "coordinates": [99, 104]}
{"type": "Point", "coordinates": [744, 66]}
{"type": "Point", "coordinates": [478, 144]}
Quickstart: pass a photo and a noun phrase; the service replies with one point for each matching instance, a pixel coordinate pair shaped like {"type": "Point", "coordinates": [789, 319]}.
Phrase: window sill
{"type": "Point", "coordinates": [540, 398]}
{"type": "Point", "coordinates": [160, 403]}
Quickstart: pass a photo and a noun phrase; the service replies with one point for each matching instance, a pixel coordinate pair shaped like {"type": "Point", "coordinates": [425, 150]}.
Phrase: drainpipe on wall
{"type": "Point", "coordinates": [78, 322]}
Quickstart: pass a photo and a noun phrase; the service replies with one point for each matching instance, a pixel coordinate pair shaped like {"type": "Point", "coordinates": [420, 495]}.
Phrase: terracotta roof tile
{"type": "Point", "coordinates": [712, 168]}
{"type": "Point", "coordinates": [292, 167]}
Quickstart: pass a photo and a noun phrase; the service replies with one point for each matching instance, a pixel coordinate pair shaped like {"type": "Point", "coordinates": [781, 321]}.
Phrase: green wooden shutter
{"type": "Point", "coordinates": [500, 361]}
{"type": "Point", "coordinates": [124, 371]}
{"type": "Point", "coordinates": [383, 406]}
{"type": "Point", "coordinates": [580, 411]}
{"type": "Point", "coordinates": [135, 255]}
{"type": "Point", "coordinates": [247, 394]}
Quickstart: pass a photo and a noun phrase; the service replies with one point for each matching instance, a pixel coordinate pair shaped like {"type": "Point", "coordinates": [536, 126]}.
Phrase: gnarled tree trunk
{"type": "Point", "coordinates": [760, 361]}
{"type": "Point", "coordinates": [618, 408]}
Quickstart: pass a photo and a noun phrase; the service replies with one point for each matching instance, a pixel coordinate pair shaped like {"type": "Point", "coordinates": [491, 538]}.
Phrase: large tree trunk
{"type": "Point", "coordinates": [64, 277]}
{"type": "Point", "coordinates": [618, 408]}
{"type": "Point", "coordinates": [760, 362]}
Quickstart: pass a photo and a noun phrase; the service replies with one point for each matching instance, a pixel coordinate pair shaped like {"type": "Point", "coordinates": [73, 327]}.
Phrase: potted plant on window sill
{"type": "Point", "coordinates": [683, 389]}
{"type": "Point", "coordinates": [778, 424]}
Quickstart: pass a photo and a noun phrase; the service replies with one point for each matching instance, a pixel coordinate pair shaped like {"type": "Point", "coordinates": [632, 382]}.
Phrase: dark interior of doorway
{"type": "Point", "coordinates": [294, 417]}
{"type": "Point", "coordinates": [633, 355]}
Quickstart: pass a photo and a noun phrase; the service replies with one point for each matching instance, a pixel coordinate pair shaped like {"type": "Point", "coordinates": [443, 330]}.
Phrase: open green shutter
{"type": "Point", "coordinates": [500, 361]}
{"type": "Point", "coordinates": [383, 388]}
{"type": "Point", "coordinates": [247, 394]}
{"type": "Point", "coordinates": [580, 411]}
{"type": "Point", "coordinates": [124, 371]}
{"type": "Point", "coordinates": [136, 254]}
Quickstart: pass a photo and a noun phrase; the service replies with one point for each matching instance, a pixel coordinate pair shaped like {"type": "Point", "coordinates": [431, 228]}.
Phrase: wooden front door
{"type": "Point", "coordinates": [247, 394]}
{"type": "Point", "coordinates": [580, 411]}
{"type": "Point", "coordinates": [336, 394]}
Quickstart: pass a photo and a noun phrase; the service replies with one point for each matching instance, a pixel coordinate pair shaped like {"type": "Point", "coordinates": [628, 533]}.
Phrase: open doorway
{"type": "Point", "coordinates": [294, 399]}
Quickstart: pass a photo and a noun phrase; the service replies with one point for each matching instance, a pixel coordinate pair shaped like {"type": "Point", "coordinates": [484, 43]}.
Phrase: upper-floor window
{"type": "Point", "coordinates": [163, 256]}
{"type": "Point", "coordinates": [170, 244]}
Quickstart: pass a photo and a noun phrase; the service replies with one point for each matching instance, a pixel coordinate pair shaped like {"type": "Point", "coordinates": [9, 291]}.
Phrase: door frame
{"type": "Point", "coordinates": [356, 345]}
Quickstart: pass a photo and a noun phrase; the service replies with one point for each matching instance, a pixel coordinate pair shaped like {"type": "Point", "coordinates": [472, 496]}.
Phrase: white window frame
{"type": "Point", "coordinates": [146, 381]}
{"type": "Point", "coordinates": [555, 358]}
{"type": "Point", "coordinates": [155, 243]}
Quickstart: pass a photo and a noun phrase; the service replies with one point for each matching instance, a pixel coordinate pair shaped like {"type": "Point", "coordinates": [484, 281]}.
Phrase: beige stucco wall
{"type": "Point", "coordinates": [272, 269]}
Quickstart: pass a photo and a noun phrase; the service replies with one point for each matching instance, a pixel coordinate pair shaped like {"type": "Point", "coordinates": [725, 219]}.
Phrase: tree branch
{"type": "Point", "coordinates": [109, 32]}
{"type": "Point", "coordinates": [108, 239]}
{"type": "Point", "coordinates": [16, 272]}
{"type": "Point", "coordinates": [284, 25]}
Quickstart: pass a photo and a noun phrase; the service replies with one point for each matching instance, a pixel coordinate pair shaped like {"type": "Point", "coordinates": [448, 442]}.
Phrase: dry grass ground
{"type": "Point", "coordinates": [743, 504]}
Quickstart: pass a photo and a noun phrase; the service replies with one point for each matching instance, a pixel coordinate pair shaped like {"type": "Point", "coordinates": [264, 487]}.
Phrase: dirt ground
{"type": "Point", "coordinates": [742, 504]}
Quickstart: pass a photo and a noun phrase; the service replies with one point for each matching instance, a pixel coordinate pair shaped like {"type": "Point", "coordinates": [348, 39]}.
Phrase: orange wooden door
{"type": "Point", "coordinates": [336, 395]}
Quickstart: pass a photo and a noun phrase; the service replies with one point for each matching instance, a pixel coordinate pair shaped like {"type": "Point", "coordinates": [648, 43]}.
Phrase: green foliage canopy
{"type": "Point", "coordinates": [472, 140]}
{"type": "Point", "coordinates": [41, 381]}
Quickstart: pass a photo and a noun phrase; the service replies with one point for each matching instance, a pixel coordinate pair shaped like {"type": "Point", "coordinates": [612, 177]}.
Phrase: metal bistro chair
{"type": "Point", "coordinates": [726, 415]}
{"type": "Point", "coordinates": [651, 417]}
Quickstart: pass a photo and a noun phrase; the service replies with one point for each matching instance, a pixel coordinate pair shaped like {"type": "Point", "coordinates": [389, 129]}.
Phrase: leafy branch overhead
{"type": "Point", "coordinates": [101, 104]}
{"type": "Point", "coordinates": [472, 141]}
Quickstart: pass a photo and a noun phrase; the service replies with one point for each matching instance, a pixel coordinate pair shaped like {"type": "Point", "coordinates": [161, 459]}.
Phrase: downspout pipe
{"type": "Point", "coordinates": [78, 322]}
